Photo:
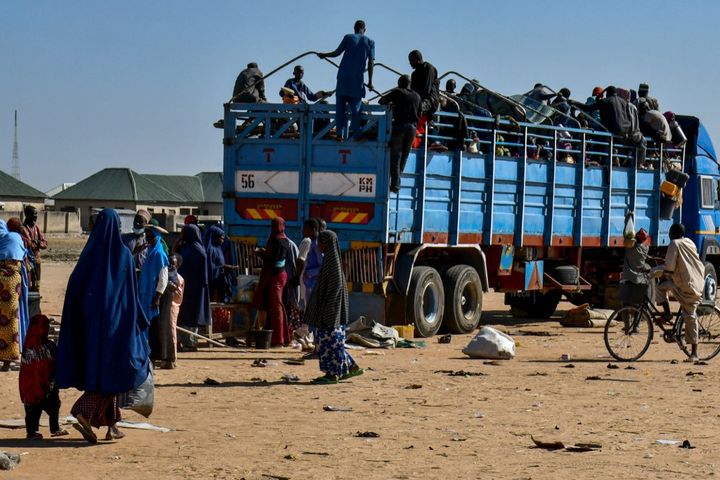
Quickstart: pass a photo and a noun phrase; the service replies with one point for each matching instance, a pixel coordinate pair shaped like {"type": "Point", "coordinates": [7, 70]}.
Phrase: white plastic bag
{"type": "Point", "coordinates": [141, 398]}
{"type": "Point", "coordinates": [490, 343]}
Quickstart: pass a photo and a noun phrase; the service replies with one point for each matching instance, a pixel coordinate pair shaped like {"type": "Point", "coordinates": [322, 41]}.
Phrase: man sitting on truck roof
{"type": "Point", "coordinates": [620, 118]}
{"type": "Point", "coordinates": [406, 113]}
{"type": "Point", "coordinates": [357, 49]}
{"type": "Point", "coordinates": [249, 86]}
{"type": "Point", "coordinates": [304, 94]}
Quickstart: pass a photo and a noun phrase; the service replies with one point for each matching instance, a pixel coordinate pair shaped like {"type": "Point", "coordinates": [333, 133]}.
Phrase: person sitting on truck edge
{"type": "Point", "coordinates": [249, 86]}
{"type": "Point", "coordinates": [357, 50]}
{"type": "Point", "coordinates": [424, 80]}
{"type": "Point", "coordinates": [301, 90]}
{"type": "Point", "coordinates": [643, 97]}
{"type": "Point", "coordinates": [685, 274]}
{"type": "Point", "coordinates": [653, 123]}
{"type": "Point", "coordinates": [406, 114]}
{"type": "Point", "coordinates": [597, 94]}
{"type": "Point", "coordinates": [620, 118]}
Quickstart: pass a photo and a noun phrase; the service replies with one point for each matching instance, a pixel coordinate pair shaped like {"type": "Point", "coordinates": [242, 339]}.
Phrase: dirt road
{"type": "Point", "coordinates": [430, 425]}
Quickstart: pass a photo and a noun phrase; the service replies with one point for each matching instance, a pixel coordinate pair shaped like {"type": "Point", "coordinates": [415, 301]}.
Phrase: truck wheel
{"type": "Point", "coordinates": [710, 289]}
{"type": "Point", "coordinates": [534, 304]}
{"type": "Point", "coordinates": [425, 301]}
{"type": "Point", "coordinates": [463, 299]}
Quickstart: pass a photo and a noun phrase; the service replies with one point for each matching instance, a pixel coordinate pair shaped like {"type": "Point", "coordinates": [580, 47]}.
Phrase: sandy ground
{"type": "Point", "coordinates": [430, 425]}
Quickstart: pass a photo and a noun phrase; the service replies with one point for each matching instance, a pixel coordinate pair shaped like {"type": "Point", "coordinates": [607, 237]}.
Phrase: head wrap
{"type": "Point", "coordinates": [11, 244]}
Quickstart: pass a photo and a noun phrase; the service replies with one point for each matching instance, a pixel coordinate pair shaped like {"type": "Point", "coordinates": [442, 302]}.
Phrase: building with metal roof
{"type": "Point", "coordinates": [165, 196]}
{"type": "Point", "coordinates": [14, 194]}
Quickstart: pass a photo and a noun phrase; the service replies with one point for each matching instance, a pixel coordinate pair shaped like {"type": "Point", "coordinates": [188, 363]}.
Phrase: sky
{"type": "Point", "coordinates": [138, 84]}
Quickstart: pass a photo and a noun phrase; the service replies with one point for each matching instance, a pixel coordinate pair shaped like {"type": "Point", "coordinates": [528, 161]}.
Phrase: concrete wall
{"type": "Point", "coordinates": [18, 204]}
{"type": "Point", "coordinates": [51, 222]}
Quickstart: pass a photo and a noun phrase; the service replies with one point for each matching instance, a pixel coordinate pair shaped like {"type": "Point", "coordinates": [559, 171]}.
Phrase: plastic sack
{"type": "Point", "coordinates": [492, 344]}
{"type": "Point", "coordinates": [141, 398]}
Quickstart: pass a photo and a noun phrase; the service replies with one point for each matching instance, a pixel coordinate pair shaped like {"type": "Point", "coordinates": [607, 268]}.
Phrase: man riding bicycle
{"type": "Point", "coordinates": [684, 277]}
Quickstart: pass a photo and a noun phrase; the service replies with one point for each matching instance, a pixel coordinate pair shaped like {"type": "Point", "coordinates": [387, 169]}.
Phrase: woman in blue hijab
{"type": "Point", "coordinates": [103, 348]}
{"type": "Point", "coordinates": [152, 283]}
{"type": "Point", "coordinates": [220, 280]}
{"type": "Point", "coordinates": [195, 309]}
{"type": "Point", "coordinates": [14, 313]}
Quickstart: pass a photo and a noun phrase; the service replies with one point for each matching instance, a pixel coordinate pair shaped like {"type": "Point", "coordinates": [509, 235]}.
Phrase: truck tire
{"type": "Point", "coordinates": [710, 288]}
{"type": "Point", "coordinates": [425, 301]}
{"type": "Point", "coordinates": [534, 305]}
{"type": "Point", "coordinates": [463, 299]}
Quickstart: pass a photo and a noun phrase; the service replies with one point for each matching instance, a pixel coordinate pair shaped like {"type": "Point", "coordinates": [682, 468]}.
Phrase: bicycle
{"type": "Point", "coordinates": [629, 331]}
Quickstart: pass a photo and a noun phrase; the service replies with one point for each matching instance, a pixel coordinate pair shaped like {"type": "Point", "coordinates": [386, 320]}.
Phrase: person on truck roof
{"type": "Point", "coordinates": [357, 50]}
{"type": "Point", "coordinates": [302, 91]}
{"type": "Point", "coordinates": [685, 274]}
{"type": "Point", "coordinates": [620, 118]}
{"type": "Point", "coordinates": [450, 87]}
{"type": "Point", "coordinates": [540, 93]}
{"type": "Point", "coordinates": [406, 114]}
{"type": "Point", "coordinates": [653, 123]}
{"type": "Point", "coordinates": [249, 86]}
{"type": "Point", "coordinates": [424, 81]}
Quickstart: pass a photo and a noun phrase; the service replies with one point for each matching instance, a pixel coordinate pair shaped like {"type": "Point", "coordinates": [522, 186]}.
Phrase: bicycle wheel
{"type": "Point", "coordinates": [628, 333]}
{"type": "Point", "coordinates": [708, 318]}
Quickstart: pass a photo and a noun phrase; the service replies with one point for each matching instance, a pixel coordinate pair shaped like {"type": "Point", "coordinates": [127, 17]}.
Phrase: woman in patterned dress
{"type": "Point", "coordinates": [327, 311]}
{"type": "Point", "coordinates": [14, 313]}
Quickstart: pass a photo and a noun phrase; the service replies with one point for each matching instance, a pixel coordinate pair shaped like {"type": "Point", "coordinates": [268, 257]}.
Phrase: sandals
{"type": "Point", "coordinates": [59, 433]}
{"type": "Point", "coordinates": [114, 434]}
{"type": "Point", "coordinates": [85, 429]}
{"type": "Point", "coordinates": [353, 373]}
{"type": "Point", "coordinates": [326, 380]}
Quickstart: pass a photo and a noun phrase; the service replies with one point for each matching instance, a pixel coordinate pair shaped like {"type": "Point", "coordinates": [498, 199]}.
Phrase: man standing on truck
{"type": "Point", "coordinates": [425, 82]}
{"type": "Point", "coordinates": [685, 279]}
{"type": "Point", "coordinates": [357, 50]}
{"type": "Point", "coordinates": [406, 114]}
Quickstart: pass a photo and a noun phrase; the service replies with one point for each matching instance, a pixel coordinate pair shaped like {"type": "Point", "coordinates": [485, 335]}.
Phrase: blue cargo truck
{"type": "Point", "coordinates": [533, 210]}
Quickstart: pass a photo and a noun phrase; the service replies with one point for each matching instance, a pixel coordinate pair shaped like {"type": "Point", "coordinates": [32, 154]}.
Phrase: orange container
{"type": "Point", "coordinates": [405, 331]}
{"type": "Point", "coordinates": [669, 189]}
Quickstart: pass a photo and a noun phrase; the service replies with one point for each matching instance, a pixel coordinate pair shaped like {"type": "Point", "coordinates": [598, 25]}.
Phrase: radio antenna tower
{"type": "Point", "coordinates": [16, 156]}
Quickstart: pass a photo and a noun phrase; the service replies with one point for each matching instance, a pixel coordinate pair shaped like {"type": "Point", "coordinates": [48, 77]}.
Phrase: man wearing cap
{"type": "Point", "coordinates": [685, 278]}
{"type": "Point", "coordinates": [634, 283]}
{"type": "Point", "coordinates": [136, 241]}
{"type": "Point", "coordinates": [300, 90]}
{"type": "Point", "coordinates": [357, 50]}
{"type": "Point", "coordinates": [33, 236]}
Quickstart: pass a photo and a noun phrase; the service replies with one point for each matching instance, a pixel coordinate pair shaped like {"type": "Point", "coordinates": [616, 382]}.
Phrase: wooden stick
{"type": "Point", "coordinates": [210, 340]}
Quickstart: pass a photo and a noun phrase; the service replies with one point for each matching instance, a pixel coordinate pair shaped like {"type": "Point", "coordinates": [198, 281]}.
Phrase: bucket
{"type": "Point", "coordinates": [263, 339]}
{"type": "Point", "coordinates": [667, 207]}
{"type": "Point", "coordinates": [34, 303]}
{"type": "Point", "coordinates": [405, 331]}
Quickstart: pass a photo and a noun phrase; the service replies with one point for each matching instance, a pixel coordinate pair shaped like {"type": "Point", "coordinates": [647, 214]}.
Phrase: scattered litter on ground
{"type": "Point", "coordinates": [565, 357]}
{"type": "Point", "coordinates": [460, 373]}
{"type": "Point", "coordinates": [369, 333]}
{"type": "Point", "coordinates": [478, 415]}
{"type": "Point", "coordinates": [694, 374]}
{"type": "Point", "coordinates": [8, 461]}
{"type": "Point", "coordinates": [612, 366]}
{"type": "Point", "coordinates": [458, 438]}
{"type": "Point", "coordinates": [211, 381]}
{"type": "Point", "coordinates": [700, 362]}
{"type": "Point", "coordinates": [299, 361]}
{"type": "Point", "coordinates": [409, 447]}
{"type": "Point", "coordinates": [373, 352]}
{"type": "Point", "coordinates": [630, 367]}
{"type": "Point", "coordinates": [260, 362]}
{"type": "Point", "coordinates": [274, 477]}
{"type": "Point", "coordinates": [290, 377]}
{"type": "Point", "coordinates": [697, 390]}
{"type": "Point", "coordinates": [558, 445]}
{"type": "Point", "coordinates": [569, 365]}
{"type": "Point", "coordinates": [368, 434]}
{"type": "Point", "coordinates": [667, 442]}
{"type": "Point", "coordinates": [686, 444]}
{"type": "Point", "coordinates": [494, 363]}
{"type": "Point", "coordinates": [490, 343]}
{"type": "Point", "coordinates": [606, 379]}
{"type": "Point", "coordinates": [290, 456]}
{"type": "Point", "coordinates": [445, 338]}
{"type": "Point", "coordinates": [322, 454]}
{"type": "Point", "coordinates": [402, 343]}
{"type": "Point", "coordinates": [584, 317]}
{"type": "Point", "coordinates": [230, 435]}
{"type": "Point", "coordinates": [531, 333]}
{"type": "Point", "coordinates": [413, 386]}
{"type": "Point", "coordinates": [333, 408]}
{"type": "Point", "coordinates": [69, 420]}
{"type": "Point", "coordinates": [537, 374]}
{"type": "Point", "coordinates": [674, 362]}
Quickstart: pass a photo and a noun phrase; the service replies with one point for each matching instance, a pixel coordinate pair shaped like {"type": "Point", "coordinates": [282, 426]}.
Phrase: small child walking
{"type": "Point", "coordinates": [38, 391]}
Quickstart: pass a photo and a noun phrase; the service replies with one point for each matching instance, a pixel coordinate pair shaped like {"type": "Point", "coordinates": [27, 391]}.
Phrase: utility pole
{"type": "Point", "coordinates": [16, 156]}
